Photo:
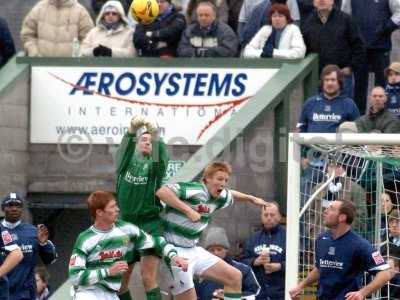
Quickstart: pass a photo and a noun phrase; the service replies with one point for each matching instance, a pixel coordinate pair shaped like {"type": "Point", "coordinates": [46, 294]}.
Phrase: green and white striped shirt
{"type": "Point", "coordinates": [95, 251]}
{"type": "Point", "coordinates": [179, 230]}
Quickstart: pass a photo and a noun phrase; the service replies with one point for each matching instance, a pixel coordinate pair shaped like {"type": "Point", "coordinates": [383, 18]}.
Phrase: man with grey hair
{"type": "Point", "coordinates": [208, 37]}
{"type": "Point", "coordinates": [378, 118]}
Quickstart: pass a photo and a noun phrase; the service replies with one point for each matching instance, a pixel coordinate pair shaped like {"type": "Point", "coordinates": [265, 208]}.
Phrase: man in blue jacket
{"type": "Point", "coordinates": [323, 113]}
{"type": "Point", "coordinates": [217, 243]}
{"type": "Point", "coordinates": [265, 252]}
{"type": "Point", "coordinates": [33, 241]}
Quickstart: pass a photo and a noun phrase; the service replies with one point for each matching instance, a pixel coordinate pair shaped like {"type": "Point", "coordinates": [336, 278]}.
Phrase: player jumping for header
{"type": "Point", "coordinates": [189, 208]}
{"type": "Point", "coordinates": [99, 257]}
{"type": "Point", "coordinates": [141, 163]}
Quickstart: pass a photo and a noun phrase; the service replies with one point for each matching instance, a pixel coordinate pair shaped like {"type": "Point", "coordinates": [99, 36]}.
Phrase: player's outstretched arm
{"type": "Point", "coordinates": [239, 196]}
{"type": "Point", "coordinates": [12, 260]}
{"type": "Point", "coordinates": [166, 195]}
{"type": "Point", "coordinates": [312, 277]}
{"type": "Point", "coordinates": [380, 279]}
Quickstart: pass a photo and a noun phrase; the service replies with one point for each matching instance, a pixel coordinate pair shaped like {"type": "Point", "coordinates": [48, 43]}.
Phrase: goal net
{"type": "Point", "coordinates": [362, 168]}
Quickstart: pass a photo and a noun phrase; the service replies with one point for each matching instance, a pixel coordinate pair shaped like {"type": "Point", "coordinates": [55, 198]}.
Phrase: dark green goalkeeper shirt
{"type": "Point", "coordinates": [138, 179]}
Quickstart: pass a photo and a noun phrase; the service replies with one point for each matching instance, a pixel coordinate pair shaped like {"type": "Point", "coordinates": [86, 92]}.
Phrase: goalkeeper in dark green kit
{"type": "Point", "coordinates": [141, 164]}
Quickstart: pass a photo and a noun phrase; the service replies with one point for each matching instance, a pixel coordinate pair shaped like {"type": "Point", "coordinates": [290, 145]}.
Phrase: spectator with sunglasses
{"type": "Point", "coordinates": [33, 241]}
{"type": "Point", "coordinates": [112, 37]}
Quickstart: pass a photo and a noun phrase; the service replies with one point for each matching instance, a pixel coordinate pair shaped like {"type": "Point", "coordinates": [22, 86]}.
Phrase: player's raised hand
{"type": "Point", "coordinates": [136, 123]}
{"type": "Point", "coordinates": [193, 215]}
{"type": "Point", "coordinates": [355, 296]}
{"type": "Point", "coordinates": [119, 267]}
{"type": "Point", "coordinates": [151, 128]}
{"type": "Point", "coordinates": [295, 292]}
{"type": "Point", "coordinates": [180, 262]}
{"type": "Point", "coordinates": [42, 234]}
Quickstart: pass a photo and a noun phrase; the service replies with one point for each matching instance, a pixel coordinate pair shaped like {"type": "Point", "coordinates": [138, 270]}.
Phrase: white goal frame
{"type": "Point", "coordinates": [296, 140]}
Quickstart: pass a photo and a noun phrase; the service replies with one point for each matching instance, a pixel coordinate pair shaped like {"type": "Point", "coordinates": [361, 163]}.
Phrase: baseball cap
{"type": "Point", "coordinates": [12, 197]}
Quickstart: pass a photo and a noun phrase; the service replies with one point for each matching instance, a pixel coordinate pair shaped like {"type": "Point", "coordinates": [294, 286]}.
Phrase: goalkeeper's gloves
{"type": "Point", "coordinates": [136, 123]}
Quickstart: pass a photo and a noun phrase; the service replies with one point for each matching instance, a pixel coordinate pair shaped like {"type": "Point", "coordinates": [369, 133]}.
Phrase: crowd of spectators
{"type": "Point", "coordinates": [355, 35]}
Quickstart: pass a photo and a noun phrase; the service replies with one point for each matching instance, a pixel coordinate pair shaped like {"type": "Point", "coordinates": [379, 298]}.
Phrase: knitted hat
{"type": "Point", "coordinates": [395, 66]}
{"type": "Point", "coordinates": [216, 236]}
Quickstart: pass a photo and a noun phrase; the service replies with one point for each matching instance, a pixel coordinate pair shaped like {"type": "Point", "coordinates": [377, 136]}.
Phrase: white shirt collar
{"type": "Point", "coordinates": [9, 224]}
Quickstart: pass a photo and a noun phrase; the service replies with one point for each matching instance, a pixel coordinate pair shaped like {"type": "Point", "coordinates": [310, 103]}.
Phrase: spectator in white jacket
{"type": "Point", "coordinates": [112, 36]}
{"type": "Point", "coordinates": [281, 39]}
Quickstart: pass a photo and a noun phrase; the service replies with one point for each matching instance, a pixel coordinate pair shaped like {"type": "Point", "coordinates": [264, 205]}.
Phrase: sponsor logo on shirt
{"type": "Point", "coordinates": [202, 209]}
{"type": "Point", "coordinates": [326, 117]}
{"type": "Point", "coordinates": [26, 248]}
{"type": "Point", "coordinates": [6, 236]}
{"type": "Point", "coordinates": [331, 264]}
{"type": "Point", "coordinates": [137, 180]}
{"type": "Point", "coordinates": [109, 254]}
{"type": "Point", "coordinates": [377, 257]}
{"type": "Point", "coordinates": [331, 251]}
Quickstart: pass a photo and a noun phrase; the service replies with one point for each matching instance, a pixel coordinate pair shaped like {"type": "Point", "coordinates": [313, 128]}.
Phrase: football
{"type": "Point", "coordinates": [144, 11]}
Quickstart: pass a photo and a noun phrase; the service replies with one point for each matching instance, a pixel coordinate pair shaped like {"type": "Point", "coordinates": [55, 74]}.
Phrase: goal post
{"type": "Point", "coordinates": [359, 157]}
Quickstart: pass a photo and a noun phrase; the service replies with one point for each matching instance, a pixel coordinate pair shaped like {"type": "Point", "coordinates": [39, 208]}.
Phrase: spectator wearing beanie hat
{"type": "Point", "coordinates": [392, 88]}
{"type": "Point", "coordinates": [217, 243]}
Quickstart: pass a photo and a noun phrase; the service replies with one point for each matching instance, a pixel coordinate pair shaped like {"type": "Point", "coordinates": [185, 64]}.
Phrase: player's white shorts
{"type": "Point", "coordinates": [95, 294]}
{"type": "Point", "coordinates": [199, 261]}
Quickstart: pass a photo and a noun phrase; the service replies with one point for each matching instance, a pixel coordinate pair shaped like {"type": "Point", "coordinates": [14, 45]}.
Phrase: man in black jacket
{"type": "Point", "coordinates": [265, 252]}
{"type": "Point", "coordinates": [7, 48]}
{"type": "Point", "coordinates": [336, 38]}
{"type": "Point", "coordinates": [160, 38]}
{"type": "Point", "coordinates": [377, 19]}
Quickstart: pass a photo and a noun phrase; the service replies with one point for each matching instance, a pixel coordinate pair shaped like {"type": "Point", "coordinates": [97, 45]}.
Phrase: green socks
{"type": "Point", "coordinates": [125, 296]}
{"type": "Point", "coordinates": [232, 296]}
{"type": "Point", "coordinates": [154, 294]}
